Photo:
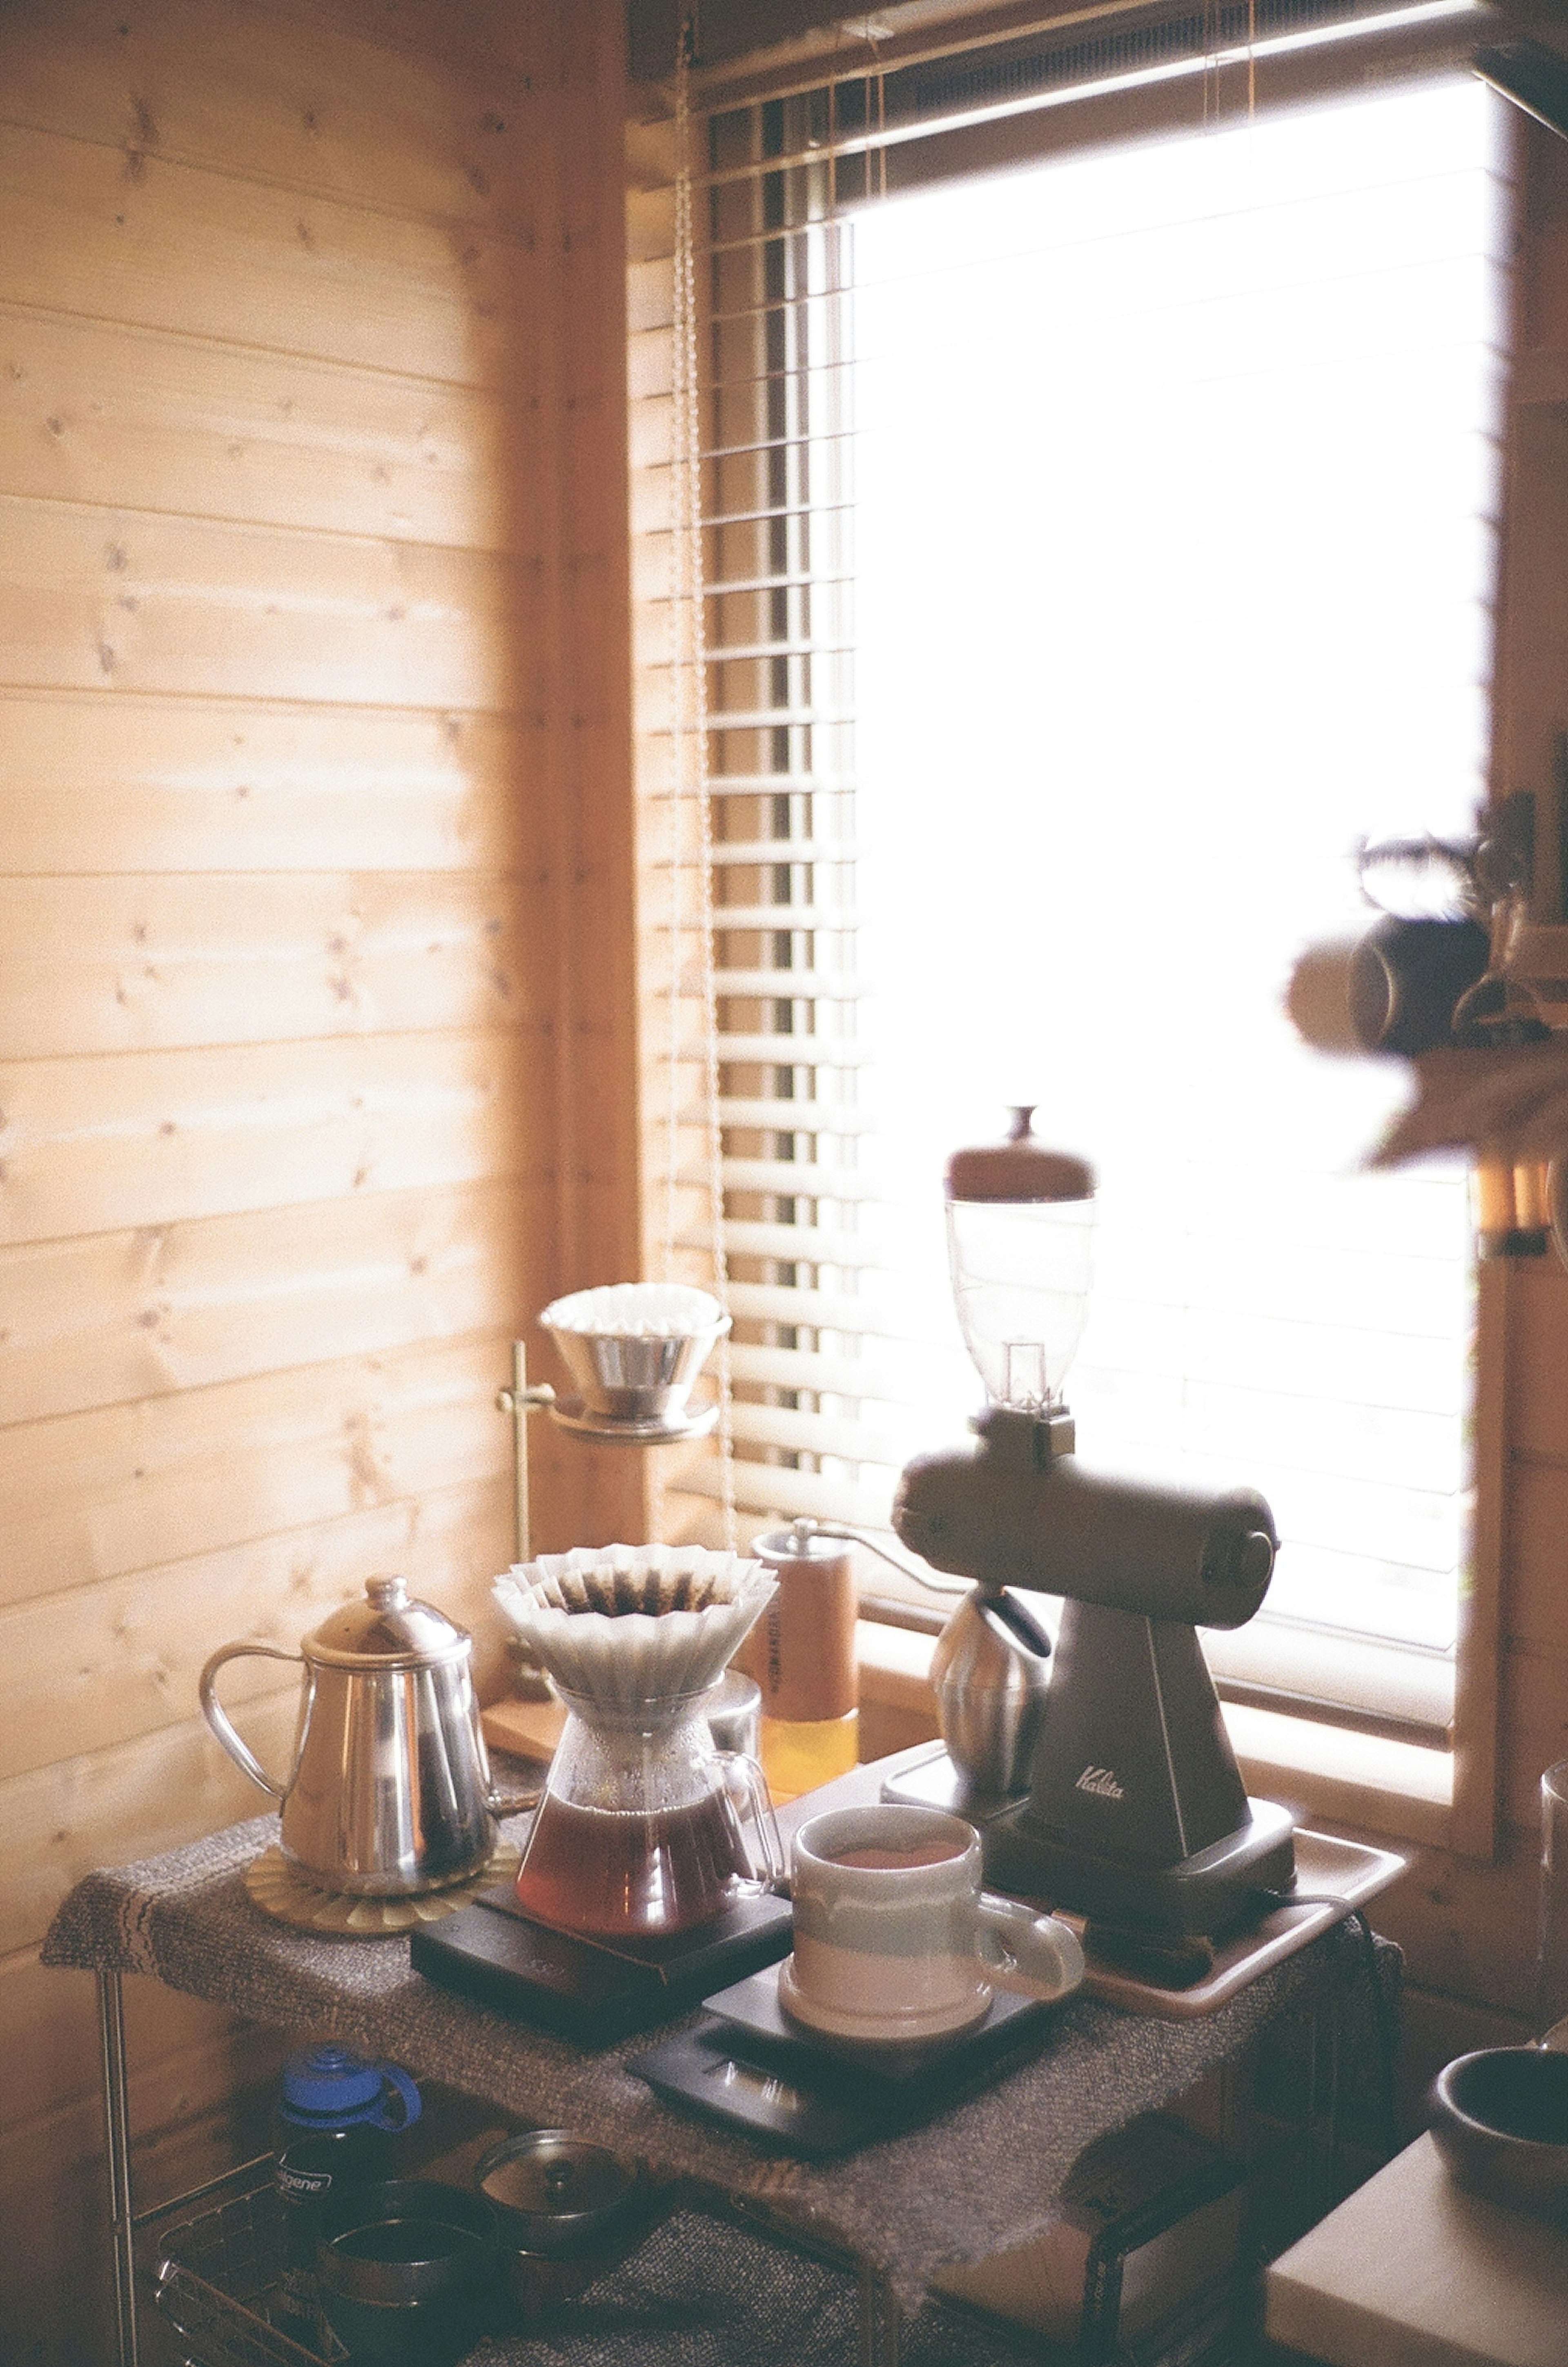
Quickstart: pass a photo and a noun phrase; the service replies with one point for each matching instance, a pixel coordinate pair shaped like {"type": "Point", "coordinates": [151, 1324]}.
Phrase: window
{"type": "Point", "coordinates": [1095, 549]}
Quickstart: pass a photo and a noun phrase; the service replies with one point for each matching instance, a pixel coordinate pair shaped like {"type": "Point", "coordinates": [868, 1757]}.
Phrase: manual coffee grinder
{"type": "Point", "coordinates": [1134, 1813]}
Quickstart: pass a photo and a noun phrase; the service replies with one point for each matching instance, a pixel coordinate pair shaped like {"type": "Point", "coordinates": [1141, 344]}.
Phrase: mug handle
{"type": "Point", "coordinates": [742, 1776]}
{"type": "Point", "coordinates": [1040, 1953]}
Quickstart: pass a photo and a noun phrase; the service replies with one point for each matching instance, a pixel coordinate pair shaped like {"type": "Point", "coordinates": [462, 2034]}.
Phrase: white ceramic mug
{"type": "Point", "coordinates": [894, 1939]}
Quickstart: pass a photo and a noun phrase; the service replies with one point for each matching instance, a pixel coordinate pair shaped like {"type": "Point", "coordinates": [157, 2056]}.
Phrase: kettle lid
{"type": "Point", "coordinates": [389, 1629]}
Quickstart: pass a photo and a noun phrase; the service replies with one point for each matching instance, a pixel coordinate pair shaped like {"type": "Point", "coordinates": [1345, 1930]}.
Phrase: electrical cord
{"type": "Point", "coordinates": [1383, 2011]}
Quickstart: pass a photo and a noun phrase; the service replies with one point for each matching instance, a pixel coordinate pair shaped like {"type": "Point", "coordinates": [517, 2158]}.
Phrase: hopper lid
{"type": "Point", "coordinates": [1021, 1168]}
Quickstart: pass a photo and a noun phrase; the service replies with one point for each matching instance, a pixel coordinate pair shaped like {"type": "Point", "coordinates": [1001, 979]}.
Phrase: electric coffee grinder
{"type": "Point", "coordinates": [1134, 1814]}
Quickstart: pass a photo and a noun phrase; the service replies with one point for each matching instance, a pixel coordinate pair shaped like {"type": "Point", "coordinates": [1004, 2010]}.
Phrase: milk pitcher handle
{"type": "Point", "coordinates": [217, 1718]}
{"type": "Point", "coordinates": [743, 1776]}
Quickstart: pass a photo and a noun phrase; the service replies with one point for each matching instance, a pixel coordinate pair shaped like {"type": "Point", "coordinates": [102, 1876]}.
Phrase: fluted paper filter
{"type": "Point", "coordinates": [619, 1626]}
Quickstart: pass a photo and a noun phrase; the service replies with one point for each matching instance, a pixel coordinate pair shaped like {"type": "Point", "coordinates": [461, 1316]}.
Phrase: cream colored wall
{"type": "Point", "coordinates": [315, 914]}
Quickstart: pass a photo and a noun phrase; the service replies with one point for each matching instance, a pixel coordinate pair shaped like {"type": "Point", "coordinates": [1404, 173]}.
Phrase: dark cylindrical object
{"type": "Point", "coordinates": [406, 2270]}
{"type": "Point", "coordinates": [567, 2211]}
{"type": "Point", "coordinates": [1406, 978]}
{"type": "Point", "coordinates": [338, 2121]}
{"type": "Point", "coordinates": [1003, 1516]}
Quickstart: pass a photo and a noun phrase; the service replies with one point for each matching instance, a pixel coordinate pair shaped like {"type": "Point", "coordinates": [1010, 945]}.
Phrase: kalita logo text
{"type": "Point", "coordinates": [1101, 1781]}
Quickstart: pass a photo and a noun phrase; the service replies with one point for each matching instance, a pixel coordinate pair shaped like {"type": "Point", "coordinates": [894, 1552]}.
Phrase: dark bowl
{"type": "Point", "coordinates": [406, 2270]}
{"type": "Point", "coordinates": [1500, 2119]}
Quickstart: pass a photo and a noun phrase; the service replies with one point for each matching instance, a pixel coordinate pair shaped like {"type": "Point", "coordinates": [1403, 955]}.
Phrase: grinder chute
{"type": "Point", "coordinates": [1135, 1813]}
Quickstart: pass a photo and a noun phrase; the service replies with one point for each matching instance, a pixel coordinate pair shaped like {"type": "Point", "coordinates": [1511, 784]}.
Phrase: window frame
{"type": "Point", "coordinates": [1349, 1779]}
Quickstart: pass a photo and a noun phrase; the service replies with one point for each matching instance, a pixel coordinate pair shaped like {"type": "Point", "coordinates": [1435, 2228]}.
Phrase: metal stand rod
{"type": "Point", "coordinates": [519, 1401]}
{"type": "Point", "coordinates": [117, 2129]}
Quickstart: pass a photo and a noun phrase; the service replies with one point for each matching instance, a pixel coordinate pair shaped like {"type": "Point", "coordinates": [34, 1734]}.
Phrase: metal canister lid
{"type": "Point", "coordinates": [388, 1629]}
{"type": "Point", "coordinates": [559, 2192]}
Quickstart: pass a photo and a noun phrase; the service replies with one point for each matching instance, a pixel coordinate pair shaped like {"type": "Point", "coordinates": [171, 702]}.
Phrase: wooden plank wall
{"type": "Point", "coordinates": [315, 912]}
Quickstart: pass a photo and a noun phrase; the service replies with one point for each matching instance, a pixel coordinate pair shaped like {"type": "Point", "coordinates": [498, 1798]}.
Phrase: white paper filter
{"type": "Point", "coordinates": [626, 1657]}
{"type": "Point", "coordinates": [636, 1311]}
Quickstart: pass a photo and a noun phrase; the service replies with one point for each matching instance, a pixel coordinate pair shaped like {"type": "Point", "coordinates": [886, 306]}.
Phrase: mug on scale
{"type": "Point", "coordinates": [895, 1941]}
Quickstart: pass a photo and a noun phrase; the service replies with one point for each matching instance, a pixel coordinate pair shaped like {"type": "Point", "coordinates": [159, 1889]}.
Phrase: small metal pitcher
{"type": "Point", "coordinates": [390, 1793]}
{"type": "Point", "coordinates": [991, 1672]}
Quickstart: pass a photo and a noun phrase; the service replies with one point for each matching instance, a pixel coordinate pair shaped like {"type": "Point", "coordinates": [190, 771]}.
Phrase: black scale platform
{"type": "Point", "coordinates": [594, 1991]}
{"type": "Point", "coordinates": [747, 2063]}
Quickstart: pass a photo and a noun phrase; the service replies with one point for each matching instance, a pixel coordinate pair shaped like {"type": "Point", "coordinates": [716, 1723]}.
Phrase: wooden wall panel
{"type": "Point", "coordinates": [118, 964]}
{"type": "Point", "coordinates": [93, 599]}
{"type": "Point", "coordinates": [58, 2012]}
{"type": "Point", "coordinates": [102, 1494]}
{"type": "Point", "coordinates": [156, 784]}
{"type": "Point", "coordinates": [98, 1665]}
{"type": "Point", "coordinates": [315, 892]}
{"type": "Point", "coordinates": [98, 230]}
{"type": "Point", "coordinates": [229, 87]}
{"type": "Point", "coordinates": [131, 1801]}
{"type": "Point", "coordinates": [120, 1317]}
{"type": "Point", "coordinates": [91, 411]}
{"type": "Point", "coordinates": [89, 1143]}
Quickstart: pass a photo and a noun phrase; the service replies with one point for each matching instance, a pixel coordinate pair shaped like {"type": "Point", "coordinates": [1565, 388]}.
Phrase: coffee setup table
{"type": "Point", "coordinates": [981, 2179]}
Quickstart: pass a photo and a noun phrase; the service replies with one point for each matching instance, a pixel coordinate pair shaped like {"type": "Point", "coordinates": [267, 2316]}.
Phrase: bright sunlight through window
{"type": "Point", "coordinates": [1174, 519]}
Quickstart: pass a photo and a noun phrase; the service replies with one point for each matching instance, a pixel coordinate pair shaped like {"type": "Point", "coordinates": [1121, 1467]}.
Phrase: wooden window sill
{"type": "Point", "coordinates": [1328, 1775]}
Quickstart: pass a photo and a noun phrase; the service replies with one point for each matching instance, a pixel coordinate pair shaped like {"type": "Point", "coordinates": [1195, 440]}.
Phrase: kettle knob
{"type": "Point", "coordinates": [387, 1594]}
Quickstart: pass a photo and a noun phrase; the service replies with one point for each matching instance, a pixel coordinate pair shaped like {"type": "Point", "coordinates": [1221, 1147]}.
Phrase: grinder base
{"type": "Point", "coordinates": [1209, 1894]}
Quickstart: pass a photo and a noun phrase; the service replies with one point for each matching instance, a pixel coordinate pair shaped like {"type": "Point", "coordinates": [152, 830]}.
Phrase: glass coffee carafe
{"type": "Point", "coordinates": [645, 1828]}
{"type": "Point", "coordinates": [642, 1827]}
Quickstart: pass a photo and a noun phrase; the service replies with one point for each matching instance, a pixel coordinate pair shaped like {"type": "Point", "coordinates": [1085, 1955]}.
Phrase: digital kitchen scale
{"type": "Point", "coordinates": [747, 2064]}
{"type": "Point", "coordinates": [593, 1990]}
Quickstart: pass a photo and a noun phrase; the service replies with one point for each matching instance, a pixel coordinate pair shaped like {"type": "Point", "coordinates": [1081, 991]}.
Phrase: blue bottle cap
{"type": "Point", "coordinates": [332, 2083]}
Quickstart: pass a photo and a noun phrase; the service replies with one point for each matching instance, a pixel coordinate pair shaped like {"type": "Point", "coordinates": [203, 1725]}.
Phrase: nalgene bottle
{"type": "Point", "coordinates": [338, 2120]}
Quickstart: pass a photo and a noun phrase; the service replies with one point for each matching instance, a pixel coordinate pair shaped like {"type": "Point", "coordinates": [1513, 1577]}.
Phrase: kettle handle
{"type": "Point", "coordinates": [217, 1718]}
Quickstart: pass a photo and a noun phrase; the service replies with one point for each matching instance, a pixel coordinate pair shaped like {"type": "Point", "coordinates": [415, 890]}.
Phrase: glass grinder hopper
{"type": "Point", "coordinates": [1101, 1780]}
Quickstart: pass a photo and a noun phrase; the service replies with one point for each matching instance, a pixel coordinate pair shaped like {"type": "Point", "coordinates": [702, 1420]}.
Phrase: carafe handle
{"type": "Point", "coordinates": [743, 1775]}
{"type": "Point", "coordinates": [212, 1710]}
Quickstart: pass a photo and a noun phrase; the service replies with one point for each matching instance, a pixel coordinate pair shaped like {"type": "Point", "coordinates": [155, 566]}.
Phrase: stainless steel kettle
{"type": "Point", "coordinates": [390, 1793]}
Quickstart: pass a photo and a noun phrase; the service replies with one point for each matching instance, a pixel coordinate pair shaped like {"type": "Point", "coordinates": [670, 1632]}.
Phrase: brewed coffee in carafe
{"type": "Point", "coordinates": [644, 1829]}
{"type": "Point", "coordinates": [641, 1831]}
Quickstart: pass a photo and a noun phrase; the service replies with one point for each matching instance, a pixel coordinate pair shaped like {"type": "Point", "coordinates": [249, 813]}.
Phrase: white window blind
{"type": "Point", "coordinates": [1095, 551]}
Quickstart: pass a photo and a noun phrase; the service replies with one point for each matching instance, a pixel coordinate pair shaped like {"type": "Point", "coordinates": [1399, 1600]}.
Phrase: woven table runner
{"type": "Point", "coordinates": [982, 2177]}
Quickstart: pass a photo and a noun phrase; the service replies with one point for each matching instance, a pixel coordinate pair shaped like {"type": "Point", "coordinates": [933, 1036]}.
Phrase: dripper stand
{"type": "Point", "coordinates": [634, 1379]}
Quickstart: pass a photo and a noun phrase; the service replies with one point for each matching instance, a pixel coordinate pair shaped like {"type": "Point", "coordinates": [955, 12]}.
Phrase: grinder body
{"type": "Point", "coordinates": [1136, 1815]}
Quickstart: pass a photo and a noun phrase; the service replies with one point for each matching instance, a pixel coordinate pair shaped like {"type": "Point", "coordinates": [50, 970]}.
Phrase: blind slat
{"type": "Point", "coordinates": [808, 1245]}
{"type": "Point", "coordinates": [890, 1318]}
{"type": "Point", "coordinates": [769, 1488]}
{"type": "Point", "coordinates": [783, 916]}
{"type": "Point", "coordinates": [787, 986]}
{"type": "Point", "coordinates": [787, 1118]}
{"type": "Point", "coordinates": [865, 1379]}
{"type": "Point", "coordinates": [800, 1179]}
{"type": "Point", "coordinates": [791, 1052]}
{"type": "Point", "coordinates": [759, 851]}
{"type": "Point", "coordinates": [815, 1434]}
